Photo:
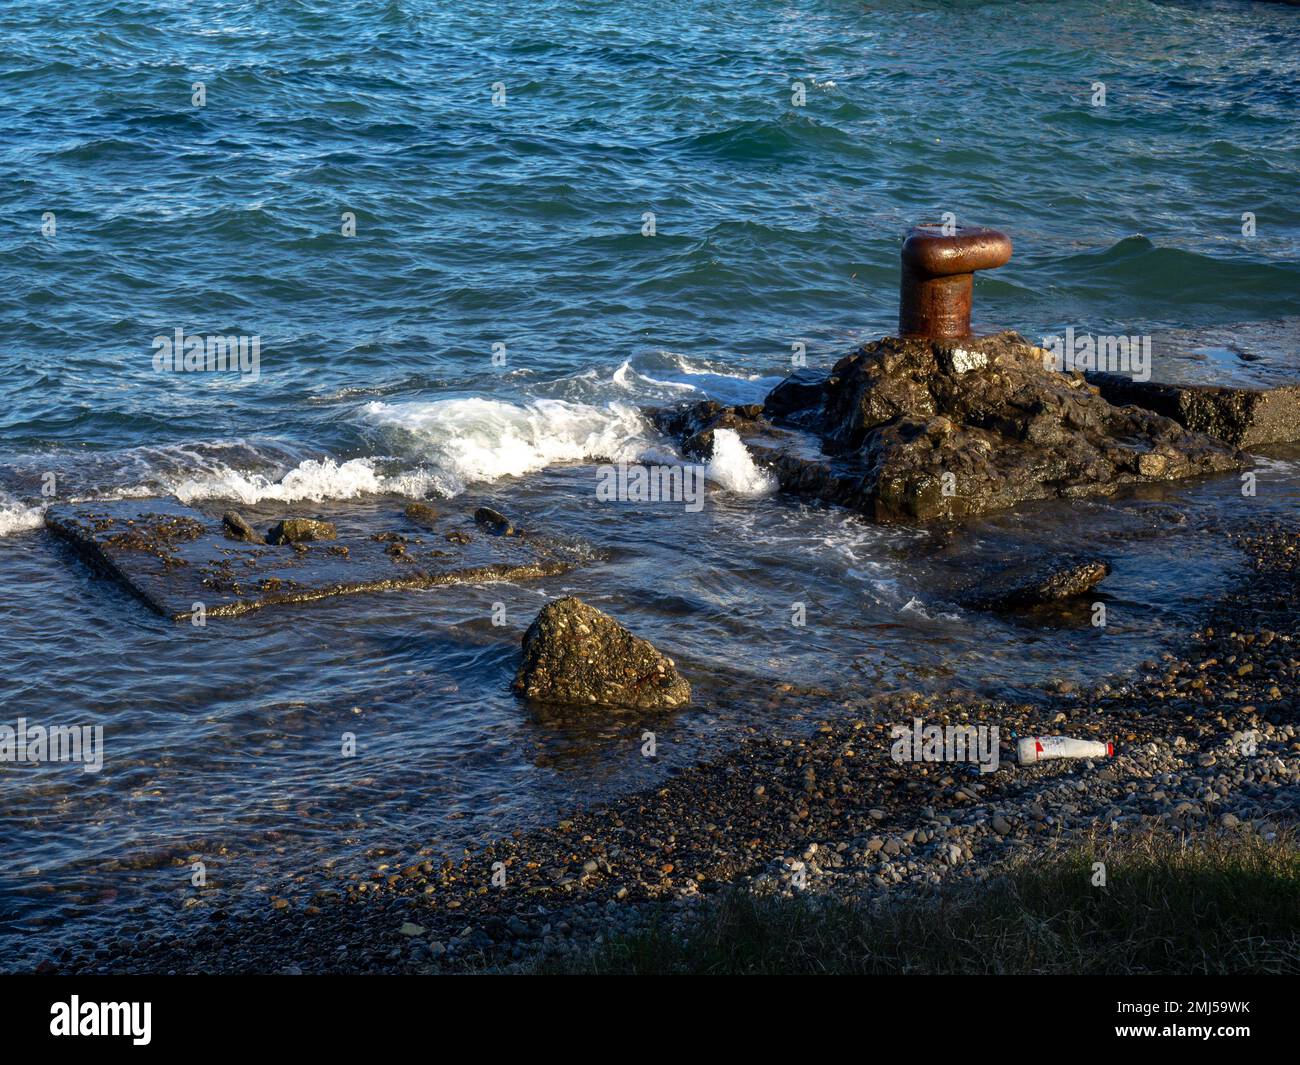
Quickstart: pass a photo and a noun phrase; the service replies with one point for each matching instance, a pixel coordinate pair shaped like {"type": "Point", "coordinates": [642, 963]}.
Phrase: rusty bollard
{"type": "Point", "coordinates": [938, 274]}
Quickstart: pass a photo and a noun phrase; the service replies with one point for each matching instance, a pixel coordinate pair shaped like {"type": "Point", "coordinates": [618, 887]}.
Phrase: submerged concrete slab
{"type": "Point", "coordinates": [173, 556]}
{"type": "Point", "coordinates": [1242, 417]}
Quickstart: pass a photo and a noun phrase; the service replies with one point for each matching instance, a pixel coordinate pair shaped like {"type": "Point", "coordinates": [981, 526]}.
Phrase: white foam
{"type": "Point", "coordinates": [310, 480]}
{"type": "Point", "coordinates": [313, 480]}
{"type": "Point", "coordinates": [727, 384]}
{"type": "Point", "coordinates": [632, 380]}
{"type": "Point", "coordinates": [689, 368]}
{"type": "Point", "coordinates": [916, 607]}
{"type": "Point", "coordinates": [661, 377]}
{"type": "Point", "coordinates": [733, 468]}
{"type": "Point", "coordinates": [1273, 464]}
{"type": "Point", "coordinates": [17, 516]}
{"type": "Point", "coordinates": [477, 440]}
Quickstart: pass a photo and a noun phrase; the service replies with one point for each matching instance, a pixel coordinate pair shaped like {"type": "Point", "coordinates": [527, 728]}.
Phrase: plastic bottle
{"type": "Point", "coordinates": [1031, 749]}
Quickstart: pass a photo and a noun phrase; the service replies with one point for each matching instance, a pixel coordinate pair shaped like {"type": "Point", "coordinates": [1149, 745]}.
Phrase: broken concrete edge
{"type": "Point", "coordinates": [93, 554]}
{"type": "Point", "coordinates": [1242, 417]}
{"type": "Point", "coordinates": [499, 571]}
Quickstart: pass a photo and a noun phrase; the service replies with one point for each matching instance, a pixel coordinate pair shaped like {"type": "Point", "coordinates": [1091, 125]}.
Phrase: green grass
{"type": "Point", "coordinates": [1207, 905]}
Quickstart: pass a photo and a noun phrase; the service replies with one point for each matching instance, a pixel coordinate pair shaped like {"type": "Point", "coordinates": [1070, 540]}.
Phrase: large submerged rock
{"type": "Point", "coordinates": [1045, 581]}
{"type": "Point", "coordinates": [919, 430]}
{"type": "Point", "coordinates": [576, 655]}
{"type": "Point", "coordinates": [176, 558]}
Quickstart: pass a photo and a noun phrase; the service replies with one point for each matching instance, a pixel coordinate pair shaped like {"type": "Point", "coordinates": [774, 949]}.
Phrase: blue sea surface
{"type": "Point", "coordinates": [493, 327]}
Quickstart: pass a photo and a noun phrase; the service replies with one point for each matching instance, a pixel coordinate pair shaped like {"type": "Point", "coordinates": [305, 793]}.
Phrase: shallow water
{"type": "Point", "coordinates": [520, 226]}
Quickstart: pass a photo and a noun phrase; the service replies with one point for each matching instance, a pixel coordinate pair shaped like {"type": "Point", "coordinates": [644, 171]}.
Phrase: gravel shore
{"type": "Point", "coordinates": [1205, 740]}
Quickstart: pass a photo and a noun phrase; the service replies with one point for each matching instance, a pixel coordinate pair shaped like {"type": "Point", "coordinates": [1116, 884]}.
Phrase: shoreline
{"type": "Point", "coordinates": [829, 811]}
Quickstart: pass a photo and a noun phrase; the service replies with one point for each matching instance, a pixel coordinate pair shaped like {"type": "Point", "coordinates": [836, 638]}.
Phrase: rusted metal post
{"type": "Point", "coordinates": [938, 274]}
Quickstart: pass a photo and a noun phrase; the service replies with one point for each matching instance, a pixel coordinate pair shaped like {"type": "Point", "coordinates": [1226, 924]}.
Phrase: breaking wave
{"type": "Point", "coordinates": [312, 480]}
{"type": "Point", "coordinates": [476, 440]}
{"type": "Point", "coordinates": [419, 448]}
{"type": "Point", "coordinates": [17, 516]}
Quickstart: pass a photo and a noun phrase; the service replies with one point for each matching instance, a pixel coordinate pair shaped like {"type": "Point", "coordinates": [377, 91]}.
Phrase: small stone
{"type": "Point", "coordinates": [422, 514]}
{"type": "Point", "coordinates": [960, 360]}
{"type": "Point", "coordinates": [238, 529]}
{"type": "Point", "coordinates": [298, 530]}
{"type": "Point", "coordinates": [1151, 464]}
{"type": "Point", "coordinates": [411, 929]}
{"type": "Point", "coordinates": [494, 521]}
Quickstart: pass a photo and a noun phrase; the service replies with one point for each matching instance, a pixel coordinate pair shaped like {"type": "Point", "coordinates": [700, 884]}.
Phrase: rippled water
{"type": "Point", "coordinates": [521, 226]}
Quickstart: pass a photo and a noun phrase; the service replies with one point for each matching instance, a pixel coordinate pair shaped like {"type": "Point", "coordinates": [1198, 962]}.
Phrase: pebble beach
{"type": "Point", "coordinates": [1205, 741]}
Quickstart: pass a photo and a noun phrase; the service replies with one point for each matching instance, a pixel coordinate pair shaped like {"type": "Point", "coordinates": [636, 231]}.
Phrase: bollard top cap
{"type": "Point", "coordinates": [929, 251]}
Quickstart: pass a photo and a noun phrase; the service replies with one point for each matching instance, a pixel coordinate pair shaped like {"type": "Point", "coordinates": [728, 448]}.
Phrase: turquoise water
{"type": "Point", "coordinates": [521, 226]}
